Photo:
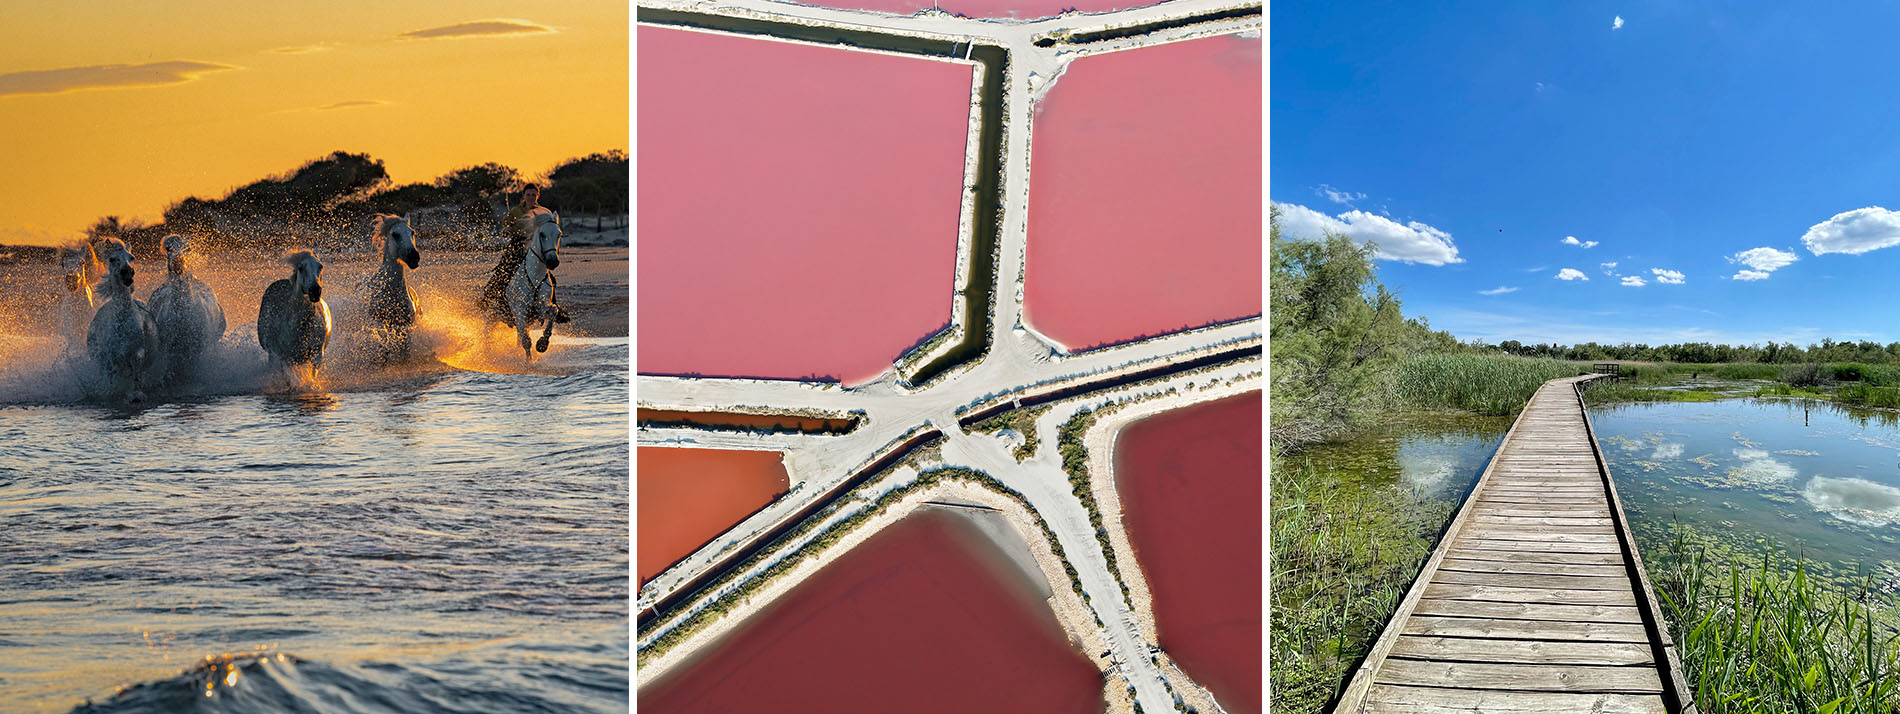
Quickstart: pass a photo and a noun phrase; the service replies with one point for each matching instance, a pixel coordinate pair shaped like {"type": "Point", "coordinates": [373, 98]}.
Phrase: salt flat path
{"type": "Point", "coordinates": [1535, 598]}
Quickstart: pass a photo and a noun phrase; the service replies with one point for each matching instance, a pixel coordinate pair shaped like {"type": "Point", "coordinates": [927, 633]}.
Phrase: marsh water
{"type": "Point", "coordinates": [446, 533]}
{"type": "Point", "coordinates": [1806, 476]}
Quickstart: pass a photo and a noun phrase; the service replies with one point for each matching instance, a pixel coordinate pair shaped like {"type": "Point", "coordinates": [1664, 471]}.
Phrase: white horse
{"type": "Point", "coordinates": [187, 313]}
{"type": "Point", "coordinates": [385, 295]}
{"type": "Point", "coordinates": [121, 340]}
{"type": "Point", "coordinates": [531, 293]}
{"type": "Point", "coordinates": [293, 321]}
{"type": "Point", "coordinates": [72, 313]}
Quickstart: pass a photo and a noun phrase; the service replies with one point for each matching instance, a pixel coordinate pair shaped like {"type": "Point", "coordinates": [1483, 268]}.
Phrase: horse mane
{"type": "Point", "coordinates": [545, 216]}
{"type": "Point", "coordinates": [295, 258]}
{"type": "Point", "coordinates": [110, 246]}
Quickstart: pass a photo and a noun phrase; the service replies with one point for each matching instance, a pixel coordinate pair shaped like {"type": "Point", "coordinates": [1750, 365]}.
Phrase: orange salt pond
{"type": "Point", "coordinates": [689, 496]}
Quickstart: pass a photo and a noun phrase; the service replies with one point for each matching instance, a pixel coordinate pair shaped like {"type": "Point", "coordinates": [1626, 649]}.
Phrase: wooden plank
{"type": "Point", "coordinates": [1522, 580]}
{"type": "Point", "coordinates": [1531, 511]}
{"type": "Point", "coordinates": [1595, 534]}
{"type": "Point", "coordinates": [1453, 562]}
{"type": "Point", "coordinates": [1521, 677]}
{"type": "Point", "coordinates": [1429, 700]}
{"type": "Point", "coordinates": [1508, 556]}
{"type": "Point", "coordinates": [1454, 591]}
{"type": "Point", "coordinates": [1536, 546]}
{"type": "Point", "coordinates": [1555, 500]}
{"type": "Point", "coordinates": [1529, 611]}
{"type": "Point", "coordinates": [1530, 523]}
{"type": "Point", "coordinates": [1522, 651]}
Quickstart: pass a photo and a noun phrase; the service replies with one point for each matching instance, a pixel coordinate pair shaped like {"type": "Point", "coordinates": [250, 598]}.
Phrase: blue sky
{"type": "Point", "coordinates": [1717, 140]}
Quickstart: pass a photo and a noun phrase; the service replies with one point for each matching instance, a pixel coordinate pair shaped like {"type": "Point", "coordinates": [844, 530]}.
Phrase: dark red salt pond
{"type": "Point", "coordinates": [1018, 9]}
{"type": "Point", "coordinates": [1144, 202]}
{"type": "Point", "coordinates": [1190, 485]}
{"type": "Point", "coordinates": [926, 616]}
{"type": "Point", "coordinates": [798, 205]}
{"type": "Point", "coordinates": [689, 496]}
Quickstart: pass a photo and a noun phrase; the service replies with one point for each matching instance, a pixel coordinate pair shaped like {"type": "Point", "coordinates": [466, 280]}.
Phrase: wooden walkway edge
{"type": "Point", "coordinates": [1536, 598]}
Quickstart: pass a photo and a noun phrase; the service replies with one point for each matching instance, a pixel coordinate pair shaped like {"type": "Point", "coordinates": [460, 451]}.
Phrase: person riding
{"type": "Point", "coordinates": [518, 224]}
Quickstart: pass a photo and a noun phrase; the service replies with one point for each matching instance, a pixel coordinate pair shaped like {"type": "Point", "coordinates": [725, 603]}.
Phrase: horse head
{"type": "Point", "coordinates": [545, 243]}
{"type": "Point", "coordinates": [72, 261]}
{"type": "Point", "coordinates": [175, 246]}
{"type": "Point", "coordinates": [399, 240]}
{"type": "Point", "coordinates": [305, 270]}
{"type": "Point", "coordinates": [118, 262]}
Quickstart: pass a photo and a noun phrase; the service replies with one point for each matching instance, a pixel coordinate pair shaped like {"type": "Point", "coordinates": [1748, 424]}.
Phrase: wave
{"type": "Point", "coordinates": [279, 682]}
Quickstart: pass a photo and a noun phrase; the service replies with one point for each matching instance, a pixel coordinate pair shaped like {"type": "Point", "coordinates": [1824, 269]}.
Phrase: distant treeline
{"type": "Point", "coordinates": [1827, 350]}
{"type": "Point", "coordinates": [325, 203]}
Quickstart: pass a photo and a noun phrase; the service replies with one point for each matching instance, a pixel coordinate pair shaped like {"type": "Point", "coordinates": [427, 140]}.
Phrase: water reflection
{"type": "Point", "coordinates": [1794, 473]}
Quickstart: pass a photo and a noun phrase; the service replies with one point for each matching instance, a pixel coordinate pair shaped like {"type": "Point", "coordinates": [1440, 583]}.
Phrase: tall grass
{"type": "Point", "coordinates": [1343, 555]}
{"type": "Point", "coordinates": [1771, 639]}
{"type": "Point", "coordinates": [1487, 384]}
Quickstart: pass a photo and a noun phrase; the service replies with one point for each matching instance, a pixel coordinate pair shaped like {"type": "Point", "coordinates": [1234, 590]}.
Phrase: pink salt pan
{"type": "Point", "coordinates": [1017, 9]}
{"type": "Point", "coordinates": [798, 205]}
{"type": "Point", "coordinates": [1144, 202]}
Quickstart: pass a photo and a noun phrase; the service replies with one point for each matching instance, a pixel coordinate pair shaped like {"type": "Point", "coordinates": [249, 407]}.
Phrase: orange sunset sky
{"type": "Point", "coordinates": [120, 108]}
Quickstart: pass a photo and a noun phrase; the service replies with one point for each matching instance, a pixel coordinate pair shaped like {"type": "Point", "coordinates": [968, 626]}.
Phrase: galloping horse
{"type": "Point", "coordinates": [121, 340]}
{"type": "Point", "coordinates": [385, 295]}
{"type": "Point", "coordinates": [530, 293]}
{"type": "Point", "coordinates": [187, 314]}
{"type": "Point", "coordinates": [293, 321]}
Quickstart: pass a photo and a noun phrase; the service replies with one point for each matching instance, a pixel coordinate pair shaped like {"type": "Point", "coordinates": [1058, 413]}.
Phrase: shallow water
{"type": "Point", "coordinates": [928, 615]}
{"type": "Point", "coordinates": [690, 496]}
{"type": "Point", "coordinates": [1809, 476]}
{"type": "Point", "coordinates": [445, 534]}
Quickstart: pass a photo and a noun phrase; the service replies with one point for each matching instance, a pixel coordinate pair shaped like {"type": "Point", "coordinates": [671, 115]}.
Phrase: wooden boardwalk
{"type": "Point", "coordinates": [1536, 598]}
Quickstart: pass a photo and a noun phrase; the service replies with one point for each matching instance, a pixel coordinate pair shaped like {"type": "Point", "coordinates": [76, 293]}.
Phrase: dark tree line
{"type": "Point", "coordinates": [1827, 350]}
{"type": "Point", "coordinates": [326, 201]}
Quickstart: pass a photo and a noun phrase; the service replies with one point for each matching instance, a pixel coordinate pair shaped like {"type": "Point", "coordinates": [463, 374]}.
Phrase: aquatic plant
{"type": "Point", "coordinates": [1768, 637]}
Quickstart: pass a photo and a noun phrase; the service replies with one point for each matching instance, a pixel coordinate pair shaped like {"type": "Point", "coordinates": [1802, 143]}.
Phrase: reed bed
{"type": "Point", "coordinates": [1495, 385]}
{"type": "Point", "coordinates": [1769, 638]}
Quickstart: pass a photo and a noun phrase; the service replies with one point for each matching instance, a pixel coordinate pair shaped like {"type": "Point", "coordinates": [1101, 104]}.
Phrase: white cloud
{"type": "Point", "coordinates": [1572, 240]}
{"type": "Point", "coordinates": [1412, 242]}
{"type": "Point", "coordinates": [1608, 268]}
{"type": "Point", "coordinates": [1761, 262]}
{"type": "Point", "coordinates": [1571, 274]}
{"type": "Point", "coordinates": [1634, 281]}
{"type": "Point", "coordinates": [1338, 196]}
{"type": "Point", "coordinates": [1499, 290]}
{"type": "Point", "coordinates": [1764, 259]}
{"type": "Point", "coordinates": [1854, 232]}
{"type": "Point", "coordinates": [1667, 277]}
{"type": "Point", "coordinates": [1617, 24]}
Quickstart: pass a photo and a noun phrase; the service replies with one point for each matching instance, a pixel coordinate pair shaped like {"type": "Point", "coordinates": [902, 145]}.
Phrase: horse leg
{"type": "Point", "coordinates": [542, 345]}
{"type": "Point", "coordinates": [521, 334]}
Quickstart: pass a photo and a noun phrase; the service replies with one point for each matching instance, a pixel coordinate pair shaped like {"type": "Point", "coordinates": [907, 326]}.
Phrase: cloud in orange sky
{"type": "Point", "coordinates": [106, 76]}
{"type": "Point", "coordinates": [304, 49]}
{"type": "Point", "coordinates": [353, 103]}
{"type": "Point", "coordinates": [478, 28]}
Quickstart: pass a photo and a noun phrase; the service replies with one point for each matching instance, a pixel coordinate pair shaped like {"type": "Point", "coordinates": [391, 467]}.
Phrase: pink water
{"type": "Point", "coordinates": [926, 616]}
{"type": "Point", "coordinates": [1018, 9]}
{"type": "Point", "coordinates": [798, 205]}
{"type": "Point", "coordinates": [1144, 202]}
{"type": "Point", "coordinates": [1190, 483]}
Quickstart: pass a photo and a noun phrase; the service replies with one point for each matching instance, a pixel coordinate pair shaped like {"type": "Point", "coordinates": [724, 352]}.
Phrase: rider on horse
{"type": "Point", "coordinates": [517, 225]}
